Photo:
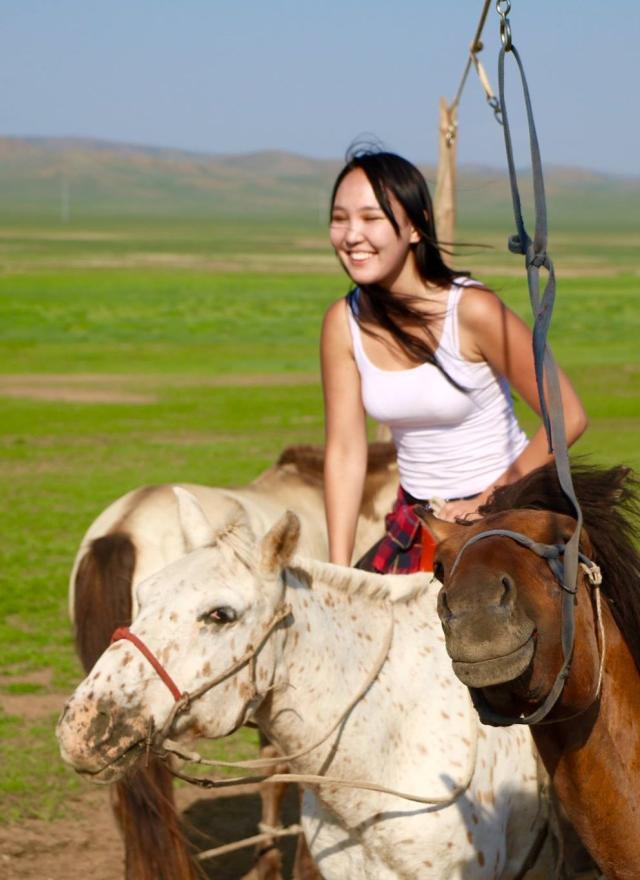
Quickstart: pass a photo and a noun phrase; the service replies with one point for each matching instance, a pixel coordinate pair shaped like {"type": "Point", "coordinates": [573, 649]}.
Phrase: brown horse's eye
{"type": "Point", "coordinates": [438, 571]}
{"type": "Point", "coordinates": [223, 614]}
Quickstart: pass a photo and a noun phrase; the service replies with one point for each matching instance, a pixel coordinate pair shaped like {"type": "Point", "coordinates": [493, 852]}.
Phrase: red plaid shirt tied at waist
{"type": "Point", "coordinates": [406, 547]}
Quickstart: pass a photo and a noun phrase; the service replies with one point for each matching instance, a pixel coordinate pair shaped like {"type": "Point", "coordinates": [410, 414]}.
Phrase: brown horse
{"type": "Point", "coordinates": [139, 534]}
{"type": "Point", "coordinates": [500, 610]}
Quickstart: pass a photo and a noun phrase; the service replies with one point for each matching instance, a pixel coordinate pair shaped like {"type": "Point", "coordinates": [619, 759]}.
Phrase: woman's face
{"type": "Point", "coordinates": [363, 238]}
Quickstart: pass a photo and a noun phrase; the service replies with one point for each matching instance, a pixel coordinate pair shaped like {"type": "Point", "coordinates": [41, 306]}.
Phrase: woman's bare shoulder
{"type": "Point", "coordinates": [335, 318]}
{"type": "Point", "coordinates": [479, 304]}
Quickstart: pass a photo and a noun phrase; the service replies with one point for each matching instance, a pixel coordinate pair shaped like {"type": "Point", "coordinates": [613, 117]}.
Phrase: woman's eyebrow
{"type": "Point", "coordinates": [337, 207]}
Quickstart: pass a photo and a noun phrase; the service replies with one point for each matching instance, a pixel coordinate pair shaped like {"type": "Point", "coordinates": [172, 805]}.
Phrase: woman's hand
{"type": "Point", "coordinates": [462, 509]}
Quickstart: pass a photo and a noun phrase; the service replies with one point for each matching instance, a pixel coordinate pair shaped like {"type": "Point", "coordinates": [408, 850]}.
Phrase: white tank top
{"type": "Point", "coordinates": [450, 443]}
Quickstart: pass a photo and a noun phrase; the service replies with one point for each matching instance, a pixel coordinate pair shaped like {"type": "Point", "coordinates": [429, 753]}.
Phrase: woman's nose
{"type": "Point", "coordinates": [353, 232]}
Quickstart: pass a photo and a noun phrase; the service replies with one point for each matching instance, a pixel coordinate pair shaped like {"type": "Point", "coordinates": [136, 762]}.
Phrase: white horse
{"type": "Point", "coordinates": [138, 535]}
{"type": "Point", "coordinates": [344, 671]}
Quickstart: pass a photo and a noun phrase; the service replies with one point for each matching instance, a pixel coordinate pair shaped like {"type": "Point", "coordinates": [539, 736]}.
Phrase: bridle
{"type": "Point", "coordinates": [553, 554]}
{"type": "Point", "coordinates": [183, 699]}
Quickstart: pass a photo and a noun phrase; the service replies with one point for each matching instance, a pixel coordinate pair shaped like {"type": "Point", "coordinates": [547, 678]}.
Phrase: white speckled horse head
{"type": "Point", "coordinates": [195, 625]}
{"type": "Point", "coordinates": [315, 633]}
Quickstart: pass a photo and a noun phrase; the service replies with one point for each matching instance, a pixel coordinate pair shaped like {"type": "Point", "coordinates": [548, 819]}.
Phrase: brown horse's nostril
{"type": "Point", "coordinates": [509, 589]}
{"type": "Point", "coordinates": [444, 612]}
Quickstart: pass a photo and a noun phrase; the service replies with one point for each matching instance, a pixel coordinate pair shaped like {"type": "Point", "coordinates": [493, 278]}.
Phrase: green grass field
{"type": "Point", "coordinates": [151, 353]}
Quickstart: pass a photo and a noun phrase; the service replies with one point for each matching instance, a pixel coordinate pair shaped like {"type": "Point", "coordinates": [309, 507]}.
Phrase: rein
{"type": "Point", "coordinates": [553, 554]}
{"type": "Point", "coordinates": [564, 560]}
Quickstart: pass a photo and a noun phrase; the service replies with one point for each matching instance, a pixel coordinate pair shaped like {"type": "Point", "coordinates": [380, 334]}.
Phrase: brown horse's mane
{"type": "Point", "coordinates": [610, 503]}
{"type": "Point", "coordinates": [309, 460]}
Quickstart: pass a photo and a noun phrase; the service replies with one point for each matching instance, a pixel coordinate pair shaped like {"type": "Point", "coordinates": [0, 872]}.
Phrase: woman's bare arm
{"type": "Point", "coordinates": [345, 432]}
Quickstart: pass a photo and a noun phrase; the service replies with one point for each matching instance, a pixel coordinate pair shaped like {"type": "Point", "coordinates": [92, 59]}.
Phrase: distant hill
{"type": "Point", "coordinates": [87, 179]}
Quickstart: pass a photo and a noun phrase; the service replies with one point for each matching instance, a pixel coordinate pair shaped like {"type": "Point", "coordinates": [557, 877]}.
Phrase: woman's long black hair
{"type": "Point", "coordinates": [391, 175]}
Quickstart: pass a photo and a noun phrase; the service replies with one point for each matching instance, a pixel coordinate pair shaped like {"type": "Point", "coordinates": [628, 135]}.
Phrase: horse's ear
{"type": "Point", "coordinates": [279, 544]}
{"type": "Point", "coordinates": [439, 529]}
{"type": "Point", "coordinates": [197, 531]}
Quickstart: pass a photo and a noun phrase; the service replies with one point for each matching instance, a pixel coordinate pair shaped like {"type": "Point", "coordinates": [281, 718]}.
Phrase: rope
{"type": "Point", "coordinates": [316, 779]}
{"type": "Point", "coordinates": [257, 763]}
{"type": "Point", "coordinates": [248, 657]}
{"type": "Point", "coordinates": [266, 835]}
{"type": "Point", "coordinates": [474, 49]}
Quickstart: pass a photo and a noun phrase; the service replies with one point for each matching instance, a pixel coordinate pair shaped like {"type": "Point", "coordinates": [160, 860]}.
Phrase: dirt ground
{"type": "Point", "coordinates": [88, 844]}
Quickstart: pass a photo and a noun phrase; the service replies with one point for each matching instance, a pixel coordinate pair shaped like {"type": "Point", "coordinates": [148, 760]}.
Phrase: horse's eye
{"type": "Point", "coordinates": [438, 571]}
{"type": "Point", "coordinates": [224, 614]}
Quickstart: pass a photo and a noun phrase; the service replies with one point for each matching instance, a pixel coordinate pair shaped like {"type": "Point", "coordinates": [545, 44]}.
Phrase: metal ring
{"type": "Point", "coordinates": [503, 7]}
{"type": "Point", "coordinates": [505, 34]}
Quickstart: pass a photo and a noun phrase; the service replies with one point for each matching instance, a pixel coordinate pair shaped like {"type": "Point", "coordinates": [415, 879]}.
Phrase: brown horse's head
{"type": "Point", "coordinates": [500, 608]}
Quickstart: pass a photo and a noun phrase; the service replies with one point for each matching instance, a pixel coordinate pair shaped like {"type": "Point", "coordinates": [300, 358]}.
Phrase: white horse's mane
{"type": "Point", "coordinates": [394, 588]}
{"type": "Point", "coordinates": [401, 588]}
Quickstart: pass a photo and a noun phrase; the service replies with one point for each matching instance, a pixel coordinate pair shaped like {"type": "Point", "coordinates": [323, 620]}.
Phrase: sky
{"type": "Point", "coordinates": [237, 76]}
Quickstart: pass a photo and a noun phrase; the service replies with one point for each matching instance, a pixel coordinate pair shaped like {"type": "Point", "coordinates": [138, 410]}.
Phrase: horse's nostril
{"type": "Point", "coordinates": [508, 587]}
{"type": "Point", "coordinates": [444, 612]}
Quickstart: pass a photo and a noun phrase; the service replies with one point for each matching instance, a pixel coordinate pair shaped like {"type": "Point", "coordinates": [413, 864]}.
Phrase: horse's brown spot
{"type": "Point", "coordinates": [481, 858]}
{"type": "Point", "coordinates": [173, 617]}
{"type": "Point", "coordinates": [429, 864]}
{"type": "Point", "coordinates": [445, 715]}
{"type": "Point", "coordinates": [206, 669]}
{"type": "Point", "coordinates": [128, 657]}
{"type": "Point", "coordinates": [474, 819]}
{"type": "Point", "coordinates": [470, 837]}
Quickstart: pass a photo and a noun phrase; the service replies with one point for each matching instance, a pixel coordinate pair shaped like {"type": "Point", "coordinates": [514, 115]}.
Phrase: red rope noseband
{"type": "Point", "coordinates": [123, 632]}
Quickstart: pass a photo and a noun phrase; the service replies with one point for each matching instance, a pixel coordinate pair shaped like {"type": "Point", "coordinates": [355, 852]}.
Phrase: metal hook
{"type": "Point", "coordinates": [503, 8]}
{"type": "Point", "coordinates": [494, 103]}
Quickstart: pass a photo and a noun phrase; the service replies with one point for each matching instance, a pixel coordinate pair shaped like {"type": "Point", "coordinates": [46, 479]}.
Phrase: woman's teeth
{"type": "Point", "coordinates": [359, 256]}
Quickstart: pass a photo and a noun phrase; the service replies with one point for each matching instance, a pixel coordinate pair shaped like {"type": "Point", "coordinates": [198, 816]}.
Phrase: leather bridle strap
{"type": "Point", "coordinates": [554, 555]}
{"type": "Point", "coordinates": [123, 632]}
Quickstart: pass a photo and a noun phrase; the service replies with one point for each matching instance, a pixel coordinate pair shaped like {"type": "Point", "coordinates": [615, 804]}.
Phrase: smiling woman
{"type": "Point", "coordinates": [427, 351]}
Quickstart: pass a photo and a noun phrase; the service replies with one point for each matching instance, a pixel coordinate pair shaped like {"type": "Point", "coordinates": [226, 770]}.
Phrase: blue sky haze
{"type": "Point", "coordinates": [227, 77]}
